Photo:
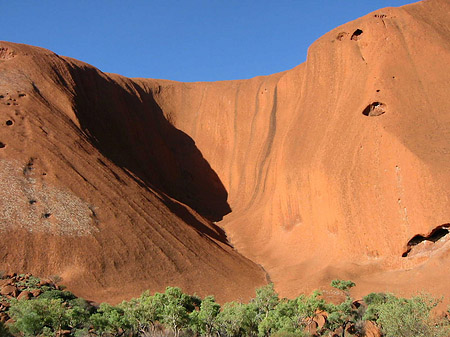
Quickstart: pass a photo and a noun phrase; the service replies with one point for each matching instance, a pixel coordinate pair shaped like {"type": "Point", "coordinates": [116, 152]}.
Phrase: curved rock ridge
{"type": "Point", "coordinates": [324, 171]}
{"type": "Point", "coordinates": [333, 166]}
{"type": "Point", "coordinates": [99, 188]}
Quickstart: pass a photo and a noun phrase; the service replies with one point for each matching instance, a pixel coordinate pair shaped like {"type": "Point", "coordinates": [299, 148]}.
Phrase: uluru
{"type": "Point", "coordinates": [337, 168]}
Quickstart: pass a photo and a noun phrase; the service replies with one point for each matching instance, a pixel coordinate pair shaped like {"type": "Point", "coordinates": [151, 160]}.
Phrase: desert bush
{"type": "Point", "coordinates": [373, 301]}
{"type": "Point", "coordinates": [264, 316]}
{"type": "Point", "coordinates": [205, 320]}
{"type": "Point", "coordinates": [30, 283]}
{"type": "Point", "coordinates": [265, 301]}
{"type": "Point", "coordinates": [4, 331]}
{"type": "Point", "coordinates": [343, 285]}
{"type": "Point", "coordinates": [231, 319]}
{"type": "Point", "coordinates": [109, 320]}
{"type": "Point", "coordinates": [78, 314]}
{"type": "Point", "coordinates": [284, 333]}
{"type": "Point", "coordinates": [38, 317]}
{"type": "Point", "coordinates": [344, 314]}
{"type": "Point", "coordinates": [143, 313]}
{"type": "Point", "coordinates": [282, 320]}
{"type": "Point", "coordinates": [55, 279]}
{"type": "Point", "coordinates": [63, 295]}
{"type": "Point", "coordinates": [174, 308]}
{"type": "Point", "coordinates": [408, 317]}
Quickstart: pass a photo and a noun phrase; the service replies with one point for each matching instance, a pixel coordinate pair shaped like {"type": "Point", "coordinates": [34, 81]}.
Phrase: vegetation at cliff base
{"type": "Point", "coordinates": [48, 310]}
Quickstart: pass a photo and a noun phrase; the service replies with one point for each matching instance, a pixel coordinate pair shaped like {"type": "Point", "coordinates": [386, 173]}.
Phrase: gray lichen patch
{"type": "Point", "coordinates": [26, 202]}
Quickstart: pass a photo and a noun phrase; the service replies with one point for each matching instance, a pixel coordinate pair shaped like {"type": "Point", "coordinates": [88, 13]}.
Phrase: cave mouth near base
{"type": "Point", "coordinates": [434, 236]}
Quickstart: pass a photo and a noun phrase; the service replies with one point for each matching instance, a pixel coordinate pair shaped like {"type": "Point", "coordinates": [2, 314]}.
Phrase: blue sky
{"type": "Point", "coordinates": [183, 40]}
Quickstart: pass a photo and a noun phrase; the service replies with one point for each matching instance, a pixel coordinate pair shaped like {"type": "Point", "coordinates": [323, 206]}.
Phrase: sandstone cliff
{"type": "Point", "coordinates": [338, 168]}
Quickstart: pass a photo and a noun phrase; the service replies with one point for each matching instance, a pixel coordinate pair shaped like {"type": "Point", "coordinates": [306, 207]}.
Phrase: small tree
{"type": "Point", "coordinates": [175, 309]}
{"type": "Point", "coordinates": [205, 320]}
{"type": "Point", "coordinates": [266, 300]}
{"type": "Point", "coordinates": [38, 316]}
{"type": "Point", "coordinates": [282, 319]}
{"type": "Point", "coordinates": [78, 314]}
{"type": "Point", "coordinates": [307, 308]}
{"type": "Point", "coordinates": [231, 319]}
{"type": "Point", "coordinates": [55, 279]}
{"type": "Point", "coordinates": [109, 319]}
{"type": "Point", "coordinates": [345, 313]}
{"type": "Point", "coordinates": [143, 313]}
{"type": "Point", "coordinates": [373, 301]}
{"type": "Point", "coordinates": [343, 285]}
{"type": "Point", "coordinates": [341, 315]}
{"type": "Point", "coordinates": [251, 320]}
{"type": "Point", "coordinates": [409, 317]}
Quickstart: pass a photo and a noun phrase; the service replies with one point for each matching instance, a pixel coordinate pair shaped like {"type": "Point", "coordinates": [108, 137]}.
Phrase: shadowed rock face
{"type": "Point", "coordinates": [139, 138]}
{"type": "Point", "coordinates": [101, 189]}
{"type": "Point", "coordinates": [328, 169]}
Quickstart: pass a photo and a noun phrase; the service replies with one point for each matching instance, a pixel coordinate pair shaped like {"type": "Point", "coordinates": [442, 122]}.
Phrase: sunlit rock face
{"type": "Point", "coordinates": [333, 169]}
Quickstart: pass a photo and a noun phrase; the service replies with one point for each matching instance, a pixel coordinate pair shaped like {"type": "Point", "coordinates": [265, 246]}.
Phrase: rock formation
{"type": "Point", "coordinates": [338, 168]}
{"type": "Point", "coordinates": [99, 188]}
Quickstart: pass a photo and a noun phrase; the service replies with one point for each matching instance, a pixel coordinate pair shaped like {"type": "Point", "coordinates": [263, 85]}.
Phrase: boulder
{"type": "Point", "coordinates": [44, 283]}
{"type": "Point", "coordinates": [372, 330]}
{"type": "Point", "coordinates": [9, 290]}
{"type": "Point", "coordinates": [10, 321]}
{"type": "Point", "coordinates": [24, 295]}
{"type": "Point", "coordinates": [36, 292]}
{"type": "Point", "coordinates": [311, 327]}
{"type": "Point", "coordinates": [320, 319]}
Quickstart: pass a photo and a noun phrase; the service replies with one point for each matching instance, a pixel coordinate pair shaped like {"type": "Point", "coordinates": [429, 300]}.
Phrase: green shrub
{"type": "Point", "coordinates": [287, 334]}
{"type": "Point", "coordinates": [264, 316]}
{"type": "Point", "coordinates": [408, 317]}
{"type": "Point", "coordinates": [63, 295]}
{"type": "Point", "coordinates": [373, 301]}
{"type": "Point", "coordinates": [38, 317]}
{"type": "Point", "coordinates": [4, 331]}
{"type": "Point", "coordinates": [175, 308]}
{"type": "Point", "coordinates": [205, 320]}
{"type": "Point", "coordinates": [143, 313]}
{"type": "Point", "coordinates": [109, 319]}
{"type": "Point", "coordinates": [266, 300]}
{"type": "Point", "coordinates": [343, 285]}
{"type": "Point", "coordinates": [30, 283]}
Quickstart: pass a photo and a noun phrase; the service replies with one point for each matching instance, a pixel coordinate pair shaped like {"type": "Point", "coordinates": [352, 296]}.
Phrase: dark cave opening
{"type": "Point", "coordinates": [435, 235]}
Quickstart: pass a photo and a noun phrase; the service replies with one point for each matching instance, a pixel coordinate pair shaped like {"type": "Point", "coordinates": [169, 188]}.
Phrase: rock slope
{"type": "Point", "coordinates": [100, 189]}
{"type": "Point", "coordinates": [337, 168]}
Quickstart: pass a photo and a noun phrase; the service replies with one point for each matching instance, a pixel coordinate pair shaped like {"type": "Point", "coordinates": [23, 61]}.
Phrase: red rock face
{"type": "Point", "coordinates": [99, 188]}
{"type": "Point", "coordinates": [334, 166]}
{"type": "Point", "coordinates": [328, 170]}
